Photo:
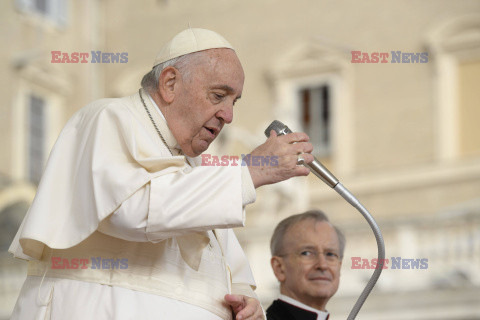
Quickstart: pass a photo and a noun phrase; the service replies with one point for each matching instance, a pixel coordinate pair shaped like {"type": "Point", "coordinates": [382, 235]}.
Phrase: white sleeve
{"type": "Point", "coordinates": [198, 199]}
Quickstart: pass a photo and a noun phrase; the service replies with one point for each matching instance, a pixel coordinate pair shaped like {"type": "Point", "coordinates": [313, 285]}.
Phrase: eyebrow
{"type": "Point", "coordinates": [315, 248]}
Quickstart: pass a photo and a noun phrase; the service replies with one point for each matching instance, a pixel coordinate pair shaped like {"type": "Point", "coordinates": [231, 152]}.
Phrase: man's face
{"type": "Point", "coordinates": [310, 263]}
{"type": "Point", "coordinates": [204, 100]}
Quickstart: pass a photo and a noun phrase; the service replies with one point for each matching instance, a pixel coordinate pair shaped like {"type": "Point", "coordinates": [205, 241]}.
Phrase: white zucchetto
{"type": "Point", "coordinates": [189, 41]}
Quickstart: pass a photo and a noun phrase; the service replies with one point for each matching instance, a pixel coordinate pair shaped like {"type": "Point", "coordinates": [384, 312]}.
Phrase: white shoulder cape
{"type": "Point", "coordinates": [102, 156]}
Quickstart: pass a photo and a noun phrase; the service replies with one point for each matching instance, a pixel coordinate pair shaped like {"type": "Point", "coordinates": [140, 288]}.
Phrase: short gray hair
{"type": "Point", "coordinates": [150, 80]}
{"type": "Point", "coordinates": [276, 243]}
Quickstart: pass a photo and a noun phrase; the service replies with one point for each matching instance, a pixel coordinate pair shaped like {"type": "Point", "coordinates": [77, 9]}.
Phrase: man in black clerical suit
{"type": "Point", "coordinates": [307, 252]}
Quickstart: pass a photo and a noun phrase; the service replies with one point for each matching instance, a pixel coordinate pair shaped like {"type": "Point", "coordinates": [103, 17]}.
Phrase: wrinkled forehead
{"type": "Point", "coordinates": [219, 67]}
{"type": "Point", "coordinates": [311, 233]}
{"type": "Point", "coordinates": [223, 59]}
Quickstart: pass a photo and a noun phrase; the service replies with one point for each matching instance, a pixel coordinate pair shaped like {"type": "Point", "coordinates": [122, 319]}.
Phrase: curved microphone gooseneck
{"type": "Point", "coordinates": [326, 176]}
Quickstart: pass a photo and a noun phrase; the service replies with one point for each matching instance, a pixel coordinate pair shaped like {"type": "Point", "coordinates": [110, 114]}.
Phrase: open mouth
{"type": "Point", "coordinates": [212, 131]}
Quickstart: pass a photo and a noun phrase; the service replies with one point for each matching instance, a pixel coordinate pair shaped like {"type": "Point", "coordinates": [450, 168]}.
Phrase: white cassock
{"type": "Point", "coordinates": [111, 191]}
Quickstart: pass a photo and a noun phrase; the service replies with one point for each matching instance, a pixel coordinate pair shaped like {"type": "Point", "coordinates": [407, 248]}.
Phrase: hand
{"type": "Point", "coordinates": [244, 308]}
{"type": "Point", "coordinates": [286, 149]}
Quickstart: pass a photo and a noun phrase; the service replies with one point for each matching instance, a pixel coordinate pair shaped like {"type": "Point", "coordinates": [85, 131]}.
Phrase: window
{"type": "Point", "coordinates": [36, 137]}
{"type": "Point", "coordinates": [52, 10]}
{"type": "Point", "coordinates": [315, 117]}
{"type": "Point", "coordinates": [37, 117]}
{"type": "Point", "coordinates": [41, 6]}
{"type": "Point", "coordinates": [312, 90]}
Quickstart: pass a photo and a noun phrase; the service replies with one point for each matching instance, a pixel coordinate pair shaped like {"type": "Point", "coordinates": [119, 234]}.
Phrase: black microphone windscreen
{"type": "Point", "coordinates": [279, 128]}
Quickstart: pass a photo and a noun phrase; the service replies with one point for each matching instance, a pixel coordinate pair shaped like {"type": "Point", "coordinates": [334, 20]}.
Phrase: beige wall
{"type": "Point", "coordinates": [394, 103]}
{"type": "Point", "coordinates": [26, 63]}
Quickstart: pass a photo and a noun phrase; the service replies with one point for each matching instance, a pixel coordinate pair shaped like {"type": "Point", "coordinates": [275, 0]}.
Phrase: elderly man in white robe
{"type": "Point", "coordinates": [126, 223]}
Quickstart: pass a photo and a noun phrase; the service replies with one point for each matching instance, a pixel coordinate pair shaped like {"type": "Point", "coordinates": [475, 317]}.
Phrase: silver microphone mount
{"type": "Point", "coordinates": [326, 176]}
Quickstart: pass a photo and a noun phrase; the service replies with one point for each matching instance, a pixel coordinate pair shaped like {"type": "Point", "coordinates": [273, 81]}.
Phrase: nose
{"type": "Point", "coordinates": [321, 262]}
{"type": "Point", "coordinates": [226, 112]}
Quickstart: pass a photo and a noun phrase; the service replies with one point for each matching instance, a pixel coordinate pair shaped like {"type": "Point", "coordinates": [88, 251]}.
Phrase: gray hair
{"type": "Point", "coordinates": [276, 243]}
{"type": "Point", "coordinates": [150, 80]}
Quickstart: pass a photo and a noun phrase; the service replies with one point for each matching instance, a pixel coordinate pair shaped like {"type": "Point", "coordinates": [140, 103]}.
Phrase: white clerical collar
{"type": "Point", "coordinates": [321, 315]}
{"type": "Point", "coordinates": [155, 105]}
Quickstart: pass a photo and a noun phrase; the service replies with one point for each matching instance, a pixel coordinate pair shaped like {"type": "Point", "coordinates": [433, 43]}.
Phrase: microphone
{"type": "Point", "coordinates": [316, 166]}
{"type": "Point", "coordinates": [326, 176]}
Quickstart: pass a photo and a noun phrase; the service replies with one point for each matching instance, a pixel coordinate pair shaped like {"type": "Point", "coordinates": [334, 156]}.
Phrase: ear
{"type": "Point", "coordinates": [278, 267]}
{"type": "Point", "coordinates": [166, 83]}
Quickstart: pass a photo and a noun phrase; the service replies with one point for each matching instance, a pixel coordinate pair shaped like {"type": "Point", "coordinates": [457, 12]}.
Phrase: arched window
{"type": "Point", "coordinates": [312, 86]}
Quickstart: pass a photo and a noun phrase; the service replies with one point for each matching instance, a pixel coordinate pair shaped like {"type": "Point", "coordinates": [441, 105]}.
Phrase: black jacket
{"type": "Point", "coordinates": [280, 310]}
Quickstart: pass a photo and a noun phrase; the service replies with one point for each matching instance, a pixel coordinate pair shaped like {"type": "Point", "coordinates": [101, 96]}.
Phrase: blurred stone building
{"type": "Point", "coordinates": [403, 137]}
